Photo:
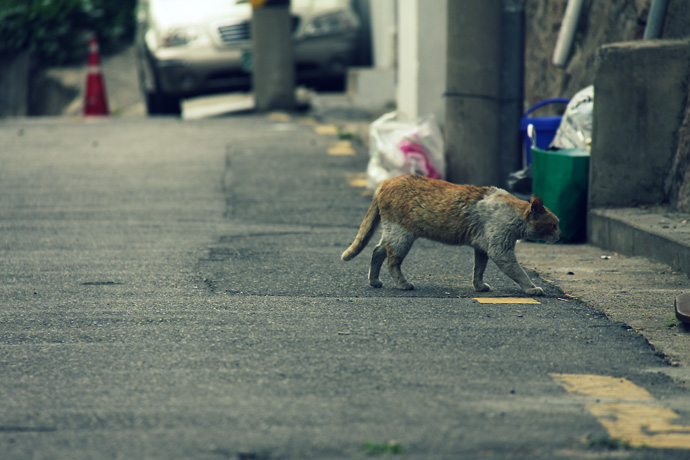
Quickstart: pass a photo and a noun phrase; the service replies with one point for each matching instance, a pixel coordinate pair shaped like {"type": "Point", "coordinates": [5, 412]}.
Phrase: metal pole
{"type": "Point", "coordinates": [655, 20]}
{"type": "Point", "coordinates": [565, 36]}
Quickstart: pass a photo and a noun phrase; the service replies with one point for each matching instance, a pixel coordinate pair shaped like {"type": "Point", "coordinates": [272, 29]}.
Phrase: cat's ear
{"type": "Point", "coordinates": [536, 206]}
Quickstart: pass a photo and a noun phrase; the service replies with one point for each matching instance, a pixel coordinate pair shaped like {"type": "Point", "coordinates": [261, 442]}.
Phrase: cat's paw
{"type": "Point", "coordinates": [534, 291]}
{"type": "Point", "coordinates": [482, 287]}
{"type": "Point", "coordinates": [375, 283]}
{"type": "Point", "coordinates": [406, 286]}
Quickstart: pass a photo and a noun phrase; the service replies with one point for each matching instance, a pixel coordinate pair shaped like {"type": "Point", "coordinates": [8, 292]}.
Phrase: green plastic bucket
{"type": "Point", "coordinates": [560, 178]}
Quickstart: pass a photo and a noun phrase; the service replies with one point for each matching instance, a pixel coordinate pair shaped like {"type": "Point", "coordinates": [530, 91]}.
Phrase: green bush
{"type": "Point", "coordinates": [55, 30]}
{"type": "Point", "coordinates": [116, 22]}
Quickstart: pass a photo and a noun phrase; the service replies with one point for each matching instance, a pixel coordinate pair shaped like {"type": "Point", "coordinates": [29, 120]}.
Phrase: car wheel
{"type": "Point", "coordinates": [162, 104]}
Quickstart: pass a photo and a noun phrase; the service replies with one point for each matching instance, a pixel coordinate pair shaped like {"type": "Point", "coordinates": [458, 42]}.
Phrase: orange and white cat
{"type": "Point", "coordinates": [489, 219]}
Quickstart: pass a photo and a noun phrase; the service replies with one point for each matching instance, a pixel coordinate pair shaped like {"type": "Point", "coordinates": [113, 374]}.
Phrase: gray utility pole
{"type": "Point", "coordinates": [273, 65]}
{"type": "Point", "coordinates": [512, 88]}
{"type": "Point", "coordinates": [473, 92]}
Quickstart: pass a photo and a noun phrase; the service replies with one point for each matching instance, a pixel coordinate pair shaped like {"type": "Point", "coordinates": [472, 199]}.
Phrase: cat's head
{"type": "Point", "coordinates": [543, 224]}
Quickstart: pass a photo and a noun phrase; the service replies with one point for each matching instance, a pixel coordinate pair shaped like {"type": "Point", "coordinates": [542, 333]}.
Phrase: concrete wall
{"type": "Point", "coordinates": [640, 93]}
{"type": "Point", "coordinates": [602, 22]}
{"type": "Point", "coordinates": [383, 24]}
{"type": "Point", "coordinates": [678, 179]}
{"type": "Point", "coordinates": [421, 58]}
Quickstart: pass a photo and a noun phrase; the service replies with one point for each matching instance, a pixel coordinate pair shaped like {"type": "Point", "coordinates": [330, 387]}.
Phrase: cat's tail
{"type": "Point", "coordinates": [366, 230]}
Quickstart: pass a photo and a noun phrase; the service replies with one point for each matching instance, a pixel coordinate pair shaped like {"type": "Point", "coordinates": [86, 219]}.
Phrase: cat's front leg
{"type": "Point", "coordinates": [536, 290]}
{"type": "Point", "coordinates": [480, 261]}
{"type": "Point", "coordinates": [507, 262]}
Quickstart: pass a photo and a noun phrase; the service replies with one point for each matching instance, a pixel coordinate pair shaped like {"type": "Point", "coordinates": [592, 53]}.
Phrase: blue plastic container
{"type": "Point", "coordinates": [544, 127]}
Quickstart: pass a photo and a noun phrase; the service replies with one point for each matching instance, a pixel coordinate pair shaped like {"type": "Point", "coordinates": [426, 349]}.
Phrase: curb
{"type": "Point", "coordinates": [655, 233]}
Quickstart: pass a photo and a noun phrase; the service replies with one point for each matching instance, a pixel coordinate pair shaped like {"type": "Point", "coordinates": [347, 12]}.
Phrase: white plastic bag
{"type": "Point", "coordinates": [575, 130]}
{"type": "Point", "coordinates": [397, 148]}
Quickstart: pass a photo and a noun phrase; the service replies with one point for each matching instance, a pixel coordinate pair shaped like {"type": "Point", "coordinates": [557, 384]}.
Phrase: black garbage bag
{"type": "Point", "coordinates": [520, 182]}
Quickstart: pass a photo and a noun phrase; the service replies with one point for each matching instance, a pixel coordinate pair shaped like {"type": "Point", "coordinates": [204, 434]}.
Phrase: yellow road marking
{"type": "Point", "coordinates": [358, 180]}
{"type": "Point", "coordinates": [341, 148]}
{"type": "Point", "coordinates": [326, 129]}
{"type": "Point", "coordinates": [281, 117]}
{"type": "Point", "coordinates": [602, 386]}
{"type": "Point", "coordinates": [307, 121]}
{"type": "Point", "coordinates": [627, 411]}
{"type": "Point", "coordinates": [506, 300]}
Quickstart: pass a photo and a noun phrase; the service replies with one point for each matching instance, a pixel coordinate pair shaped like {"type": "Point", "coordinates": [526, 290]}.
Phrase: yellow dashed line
{"type": "Point", "coordinates": [280, 117]}
{"type": "Point", "coordinates": [307, 121]}
{"type": "Point", "coordinates": [602, 386]}
{"type": "Point", "coordinates": [506, 300]}
{"type": "Point", "coordinates": [627, 411]}
{"type": "Point", "coordinates": [358, 180]}
{"type": "Point", "coordinates": [344, 148]}
{"type": "Point", "coordinates": [341, 148]}
{"type": "Point", "coordinates": [326, 129]}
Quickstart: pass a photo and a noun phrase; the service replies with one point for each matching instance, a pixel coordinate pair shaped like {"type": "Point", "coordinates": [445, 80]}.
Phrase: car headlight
{"type": "Point", "coordinates": [329, 24]}
{"type": "Point", "coordinates": [181, 36]}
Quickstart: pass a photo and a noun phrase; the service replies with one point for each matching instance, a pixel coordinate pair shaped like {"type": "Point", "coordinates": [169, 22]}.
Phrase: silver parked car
{"type": "Point", "coordinates": [187, 48]}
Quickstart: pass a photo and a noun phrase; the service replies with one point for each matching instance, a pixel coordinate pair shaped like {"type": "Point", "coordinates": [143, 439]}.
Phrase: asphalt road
{"type": "Point", "coordinates": [174, 290]}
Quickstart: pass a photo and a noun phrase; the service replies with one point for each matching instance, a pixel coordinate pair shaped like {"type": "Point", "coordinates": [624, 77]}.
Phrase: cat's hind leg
{"type": "Point", "coordinates": [398, 242]}
{"type": "Point", "coordinates": [480, 261]}
{"type": "Point", "coordinates": [377, 259]}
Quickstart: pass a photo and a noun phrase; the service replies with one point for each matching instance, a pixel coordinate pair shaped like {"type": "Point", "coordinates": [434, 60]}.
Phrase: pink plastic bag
{"type": "Point", "coordinates": [397, 148]}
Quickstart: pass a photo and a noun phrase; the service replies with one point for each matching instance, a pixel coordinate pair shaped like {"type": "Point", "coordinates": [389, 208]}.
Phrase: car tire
{"type": "Point", "coordinates": [162, 104]}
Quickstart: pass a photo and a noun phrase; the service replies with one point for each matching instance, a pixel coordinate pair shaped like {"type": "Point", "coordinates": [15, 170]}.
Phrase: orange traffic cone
{"type": "Point", "coordinates": [95, 102]}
